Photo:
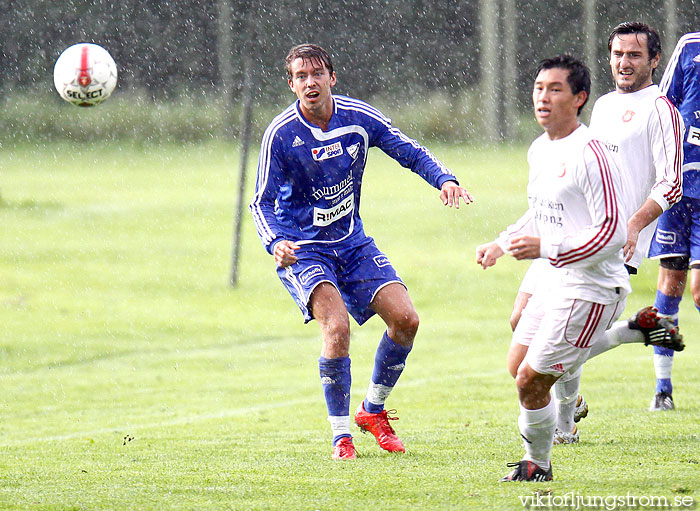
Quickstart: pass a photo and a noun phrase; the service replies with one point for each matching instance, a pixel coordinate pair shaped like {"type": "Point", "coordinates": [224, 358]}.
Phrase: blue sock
{"type": "Point", "coordinates": [667, 306]}
{"type": "Point", "coordinates": [335, 380]}
{"type": "Point", "coordinates": [389, 363]}
{"type": "Point", "coordinates": [664, 385]}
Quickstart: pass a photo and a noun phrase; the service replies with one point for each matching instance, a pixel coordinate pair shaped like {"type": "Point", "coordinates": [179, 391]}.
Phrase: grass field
{"type": "Point", "coordinates": [133, 377]}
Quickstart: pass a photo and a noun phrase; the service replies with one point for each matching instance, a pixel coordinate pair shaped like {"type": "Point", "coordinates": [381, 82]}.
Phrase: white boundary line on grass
{"type": "Point", "coordinates": [209, 416]}
{"type": "Point", "coordinates": [135, 427]}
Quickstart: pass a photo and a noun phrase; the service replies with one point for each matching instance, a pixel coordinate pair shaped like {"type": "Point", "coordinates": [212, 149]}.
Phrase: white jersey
{"type": "Point", "coordinates": [644, 133]}
{"type": "Point", "coordinates": [573, 208]}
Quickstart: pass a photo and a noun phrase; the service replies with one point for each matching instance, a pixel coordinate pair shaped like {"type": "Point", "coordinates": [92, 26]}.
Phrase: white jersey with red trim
{"type": "Point", "coordinates": [644, 133]}
{"type": "Point", "coordinates": [573, 207]}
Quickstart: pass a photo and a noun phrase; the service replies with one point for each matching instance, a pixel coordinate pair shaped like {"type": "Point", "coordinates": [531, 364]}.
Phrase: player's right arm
{"type": "Point", "coordinates": [269, 180]}
{"type": "Point", "coordinates": [487, 254]}
{"type": "Point", "coordinates": [283, 251]}
{"type": "Point", "coordinates": [524, 228]}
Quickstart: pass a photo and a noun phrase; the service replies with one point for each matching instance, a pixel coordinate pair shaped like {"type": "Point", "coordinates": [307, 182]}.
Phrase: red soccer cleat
{"type": "Point", "coordinates": [378, 425]}
{"type": "Point", "coordinates": [344, 449]}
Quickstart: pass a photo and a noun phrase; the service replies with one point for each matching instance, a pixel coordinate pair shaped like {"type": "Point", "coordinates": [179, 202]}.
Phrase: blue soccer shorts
{"type": "Point", "coordinates": [358, 272]}
{"type": "Point", "coordinates": [678, 232]}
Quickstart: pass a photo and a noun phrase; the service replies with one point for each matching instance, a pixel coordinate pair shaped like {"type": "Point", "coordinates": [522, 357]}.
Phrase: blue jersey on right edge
{"type": "Point", "coordinates": [681, 84]}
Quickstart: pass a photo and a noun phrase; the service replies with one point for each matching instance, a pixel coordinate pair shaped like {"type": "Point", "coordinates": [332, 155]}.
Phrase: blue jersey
{"type": "Point", "coordinates": [681, 84]}
{"type": "Point", "coordinates": [309, 180]}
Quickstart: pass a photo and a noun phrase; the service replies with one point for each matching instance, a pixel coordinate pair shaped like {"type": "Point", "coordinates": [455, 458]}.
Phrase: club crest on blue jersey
{"type": "Point", "coordinates": [353, 150]}
{"type": "Point", "coordinates": [326, 152]}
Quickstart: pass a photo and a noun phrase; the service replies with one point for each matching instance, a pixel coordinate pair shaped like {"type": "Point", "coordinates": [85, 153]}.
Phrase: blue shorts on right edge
{"type": "Point", "coordinates": [678, 232]}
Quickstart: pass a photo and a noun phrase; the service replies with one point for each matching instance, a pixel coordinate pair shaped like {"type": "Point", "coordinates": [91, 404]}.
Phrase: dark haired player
{"type": "Point", "coordinates": [641, 130]}
{"type": "Point", "coordinates": [306, 211]}
{"type": "Point", "coordinates": [574, 221]}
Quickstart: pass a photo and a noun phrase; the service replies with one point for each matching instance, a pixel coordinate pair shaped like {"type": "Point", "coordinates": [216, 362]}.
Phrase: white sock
{"type": "Point", "coordinates": [340, 424]}
{"type": "Point", "coordinates": [619, 333]}
{"type": "Point", "coordinates": [537, 430]}
{"type": "Point", "coordinates": [377, 393]}
{"type": "Point", "coordinates": [566, 395]}
{"type": "Point", "coordinates": [663, 366]}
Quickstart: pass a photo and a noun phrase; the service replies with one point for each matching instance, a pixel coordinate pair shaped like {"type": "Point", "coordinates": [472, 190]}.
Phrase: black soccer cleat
{"type": "Point", "coordinates": [662, 401]}
{"type": "Point", "coordinates": [657, 330]}
{"type": "Point", "coordinates": [527, 471]}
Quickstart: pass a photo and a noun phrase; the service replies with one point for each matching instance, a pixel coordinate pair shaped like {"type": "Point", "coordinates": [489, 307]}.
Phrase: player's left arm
{"type": "Point", "coordinates": [487, 254]}
{"type": "Point", "coordinates": [666, 131]}
{"type": "Point", "coordinates": [521, 240]}
{"type": "Point", "coordinates": [412, 155]}
{"type": "Point", "coordinates": [666, 143]}
{"type": "Point", "coordinates": [646, 214]}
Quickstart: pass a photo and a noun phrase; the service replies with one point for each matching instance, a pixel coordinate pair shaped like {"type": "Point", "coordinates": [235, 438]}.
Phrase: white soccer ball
{"type": "Point", "coordinates": [85, 74]}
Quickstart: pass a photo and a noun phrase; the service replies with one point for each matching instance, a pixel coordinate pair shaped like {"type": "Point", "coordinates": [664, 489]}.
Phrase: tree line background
{"type": "Point", "coordinates": [447, 69]}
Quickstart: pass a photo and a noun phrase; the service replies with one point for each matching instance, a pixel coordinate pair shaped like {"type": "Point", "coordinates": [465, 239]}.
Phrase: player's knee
{"type": "Point", "coordinates": [337, 331]}
{"type": "Point", "coordinates": [673, 273]}
{"type": "Point", "coordinates": [530, 383]}
{"type": "Point", "coordinates": [523, 380]}
{"type": "Point", "coordinates": [408, 324]}
{"type": "Point", "coordinates": [403, 328]}
{"type": "Point", "coordinates": [341, 332]}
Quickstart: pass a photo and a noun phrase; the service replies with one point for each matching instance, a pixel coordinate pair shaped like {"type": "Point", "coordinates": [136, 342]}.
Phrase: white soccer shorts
{"type": "Point", "coordinates": [561, 335]}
